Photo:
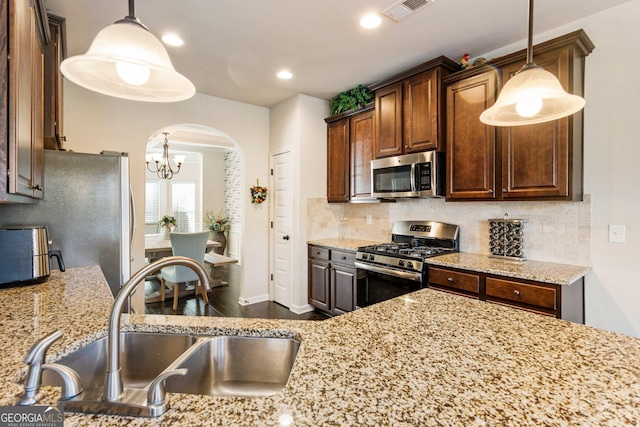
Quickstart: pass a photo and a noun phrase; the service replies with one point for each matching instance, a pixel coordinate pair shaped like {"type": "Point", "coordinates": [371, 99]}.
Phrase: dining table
{"type": "Point", "coordinates": [156, 246]}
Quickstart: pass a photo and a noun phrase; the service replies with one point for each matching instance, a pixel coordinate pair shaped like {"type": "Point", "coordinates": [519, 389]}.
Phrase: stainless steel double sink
{"type": "Point", "coordinates": [217, 365]}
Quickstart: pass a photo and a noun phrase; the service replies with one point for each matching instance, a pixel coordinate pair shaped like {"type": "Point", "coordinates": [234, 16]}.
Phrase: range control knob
{"type": "Point", "coordinates": [400, 263]}
{"type": "Point", "coordinates": [371, 257]}
{"type": "Point", "coordinates": [409, 264]}
{"type": "Point", "coordinates": [364, 256]}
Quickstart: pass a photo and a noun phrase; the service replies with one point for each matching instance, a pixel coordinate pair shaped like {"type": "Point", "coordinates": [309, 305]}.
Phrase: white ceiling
{"type": "Point", "coordinates": [234, 48]}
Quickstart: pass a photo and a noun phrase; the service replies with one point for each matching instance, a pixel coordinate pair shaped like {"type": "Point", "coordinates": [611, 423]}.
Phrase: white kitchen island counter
{"type": "Point", "coordinates": [428, 358]}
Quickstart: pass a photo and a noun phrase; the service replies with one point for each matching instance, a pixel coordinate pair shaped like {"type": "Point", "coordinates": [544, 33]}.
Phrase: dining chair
{"type": "Point", "coordinates": [191, 245]}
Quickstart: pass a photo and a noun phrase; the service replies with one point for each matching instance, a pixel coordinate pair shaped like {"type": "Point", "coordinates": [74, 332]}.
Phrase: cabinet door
{"type": "Point", "coordinates": [388, 121]}
{"type": "Point", "coordinates": [420, 112]}
{"type": "Point", "coordinates": [343, 289]}
{"type": "Point", "coordinates": [535, 159]}
{"type": "Point", "coordinates": [361, 146]}
{"type": "Point", "coordinates": [54, 54]}
{"type": "Point", "coordinates": [470, 143]}
{"type": "Point", "coordinates": [338, 161]}
{"type": "Point", "coordinates": [319, 284]}
{"type": "Point", "coordinates": [26, 144]}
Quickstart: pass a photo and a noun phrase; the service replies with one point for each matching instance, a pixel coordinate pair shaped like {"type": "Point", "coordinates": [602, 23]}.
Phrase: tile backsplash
{"type": "Point", "coordinates": [554, 231]}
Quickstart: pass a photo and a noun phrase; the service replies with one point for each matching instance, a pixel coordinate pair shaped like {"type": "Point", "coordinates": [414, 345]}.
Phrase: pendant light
{"type": "Point", "coordinates": [532, 95]}
{"type": "Point", "coordinates": [126, 61]}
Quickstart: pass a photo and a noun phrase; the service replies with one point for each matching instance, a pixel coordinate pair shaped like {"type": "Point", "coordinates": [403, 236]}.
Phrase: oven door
{"type": "Point", "coordinates": [376, 284]}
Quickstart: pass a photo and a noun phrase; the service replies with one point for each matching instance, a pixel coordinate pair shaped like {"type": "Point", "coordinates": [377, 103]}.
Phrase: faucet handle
{"type": "Point", "coordinates": [72, 383]}
{"type": "Point", "coordinates": [35, 359]}
{"type": "Point", "coordinates": [156, 394]}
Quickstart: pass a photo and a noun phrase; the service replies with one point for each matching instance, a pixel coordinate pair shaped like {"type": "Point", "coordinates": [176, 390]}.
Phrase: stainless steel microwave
{"type": "Point", "coordinates": [411, 175]}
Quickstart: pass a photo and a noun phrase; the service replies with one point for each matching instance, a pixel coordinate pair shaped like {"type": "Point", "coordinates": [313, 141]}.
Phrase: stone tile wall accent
{"type": "Point", "coordinates": [232, 185]}
{"type": "Point", "coordinates": [554, 231]}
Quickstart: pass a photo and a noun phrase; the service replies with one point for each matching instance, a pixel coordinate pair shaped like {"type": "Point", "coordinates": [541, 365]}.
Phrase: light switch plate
{"type": "Point", "coordinates": [616, 233]}
{"type": "Point", "coordinates": [369, 219]}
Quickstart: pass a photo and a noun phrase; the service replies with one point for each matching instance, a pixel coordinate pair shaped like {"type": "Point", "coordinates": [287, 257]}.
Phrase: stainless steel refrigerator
{"type": "Point", "coordinates": [88, 210]}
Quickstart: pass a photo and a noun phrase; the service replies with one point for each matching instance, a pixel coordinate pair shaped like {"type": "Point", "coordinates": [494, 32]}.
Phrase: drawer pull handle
{"type": "Point", "coordinates": [516, 292]}
{"type": "Point", "coordinates": [450, 279]}
{"type": "Point", "coordinates": [317, 253]}
{"type": "Point", "coordinates": [344, 257]}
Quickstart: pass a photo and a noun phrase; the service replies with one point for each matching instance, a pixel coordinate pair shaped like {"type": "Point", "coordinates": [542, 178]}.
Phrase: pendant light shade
{"type": "Point", "coordinates": [126, 61]}
{"type": "Point", "coordinates": [533, 95]}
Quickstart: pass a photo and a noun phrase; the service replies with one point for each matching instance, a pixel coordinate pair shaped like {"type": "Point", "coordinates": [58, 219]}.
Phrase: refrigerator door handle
{"type": "Point", "coordinates": [132, 220]}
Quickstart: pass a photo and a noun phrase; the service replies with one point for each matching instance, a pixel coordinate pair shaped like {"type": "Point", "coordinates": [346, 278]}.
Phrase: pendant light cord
{"type": "Point", "coordinates": [529, 36]}
{"type": "Point", "coordinates": [132, 12]}
{"type": "Point", "coordinates": [131, 17]}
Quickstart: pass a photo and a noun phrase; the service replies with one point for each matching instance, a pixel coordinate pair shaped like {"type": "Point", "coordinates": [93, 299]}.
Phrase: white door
{"type": "Point", "coordinates": [282, 202]}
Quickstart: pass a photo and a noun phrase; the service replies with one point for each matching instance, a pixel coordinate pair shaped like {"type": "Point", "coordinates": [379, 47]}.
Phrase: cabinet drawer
{"type": "Point", "coordinates": [521, 292]}
{"type": "Point", "coordinates": [454, 280]}
{"type": "Point", "coordinates": [343, 257]}
{"type": "Point", "coordinates": [318, 253]}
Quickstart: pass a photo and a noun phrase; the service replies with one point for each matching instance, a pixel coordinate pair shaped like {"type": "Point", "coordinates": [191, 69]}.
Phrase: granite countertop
{"type": "Point", "coordinates": [547, 272]}
{"type": "Point", "coordinates": [348, 243]}
{"type": "Point", "coordinates": [426, 359]}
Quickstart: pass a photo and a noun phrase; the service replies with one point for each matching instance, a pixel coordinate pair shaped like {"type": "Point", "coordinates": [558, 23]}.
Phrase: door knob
{"type": "Point", "coordinates": [285, 237]}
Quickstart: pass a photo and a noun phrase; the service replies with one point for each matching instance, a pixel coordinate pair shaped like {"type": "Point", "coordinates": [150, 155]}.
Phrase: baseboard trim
{"type": "Point", "coordinates": [252, 300]}
{"type": "Point", "coordinates": [302, 308]}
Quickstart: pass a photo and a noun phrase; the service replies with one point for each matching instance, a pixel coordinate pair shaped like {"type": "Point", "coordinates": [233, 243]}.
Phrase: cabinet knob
{"type": "Point", "coordinates": [504, 190]}
{"type": "Point", "coordinates": [285, 237]}
{"type": "Point", "coordinates": [491, 190]}
{"type": "Point", "coordinates": [516, 292]}
{"type": "Point", "coordinates": [450, 279]}
{"type": "Point", "coordinates": [406, 146]}
{"type": "Point", "coordinates": [344, 257]}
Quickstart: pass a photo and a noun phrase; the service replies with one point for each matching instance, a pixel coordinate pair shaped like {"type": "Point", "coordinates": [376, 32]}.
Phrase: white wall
{"type": "Point", "coordinates": [213, 181]}
{"type": "Point", "coordinates": [93, 122]}
{"type": "Point", "coordinates": [297, 125]}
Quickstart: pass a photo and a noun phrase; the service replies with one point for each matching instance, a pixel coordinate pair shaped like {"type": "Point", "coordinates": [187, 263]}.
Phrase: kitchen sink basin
{"type": "Point", "coordinates": [236, 366]}
{"type": "Point", "coordinates": [218, 366]}
{"type": "Point", "coordinates": [143, 356]}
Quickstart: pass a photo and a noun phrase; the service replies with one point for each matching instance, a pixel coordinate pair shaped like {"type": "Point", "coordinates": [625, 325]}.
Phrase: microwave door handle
{"type": "Point", "coordinates": [414, 188]}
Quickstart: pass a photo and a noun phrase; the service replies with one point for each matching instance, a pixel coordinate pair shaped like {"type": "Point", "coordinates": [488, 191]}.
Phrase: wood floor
{"type": "Point", "coordinates": [223, 302]}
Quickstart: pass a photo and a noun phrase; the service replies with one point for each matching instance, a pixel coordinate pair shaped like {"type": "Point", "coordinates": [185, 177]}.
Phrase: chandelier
{"type": "Point", "coordinates": [162, 166]}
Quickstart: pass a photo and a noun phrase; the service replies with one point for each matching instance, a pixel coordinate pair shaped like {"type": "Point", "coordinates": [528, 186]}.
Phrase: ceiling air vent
{"type": "Point", "coordinates": [400, 10]}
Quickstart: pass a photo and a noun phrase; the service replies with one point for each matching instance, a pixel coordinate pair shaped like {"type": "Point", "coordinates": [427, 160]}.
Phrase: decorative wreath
{"type": "Point", "coordinates": [258, 194]}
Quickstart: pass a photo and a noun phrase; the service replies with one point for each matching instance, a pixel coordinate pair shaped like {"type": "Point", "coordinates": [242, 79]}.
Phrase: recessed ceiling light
{"type": "Point", "coordinates": [371, 20]}
{"type": "Point", "coordinates": [284, 75]}
{"type": "Point", "coordinates": [172, 40]}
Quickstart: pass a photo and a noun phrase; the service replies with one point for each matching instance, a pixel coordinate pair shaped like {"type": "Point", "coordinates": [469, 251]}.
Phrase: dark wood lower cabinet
{"type": "Point", "coordinates": [560, 301]}
{"type": "Point", "coordinates": [332, 279]}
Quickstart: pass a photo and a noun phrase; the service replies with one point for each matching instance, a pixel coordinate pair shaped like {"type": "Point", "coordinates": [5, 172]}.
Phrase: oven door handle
{"type": "Point", "coordinates": [416, 277]}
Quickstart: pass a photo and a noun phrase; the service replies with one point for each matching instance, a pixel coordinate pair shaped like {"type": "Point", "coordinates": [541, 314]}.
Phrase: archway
{"type": "Point", "coordinates": [208, 182]}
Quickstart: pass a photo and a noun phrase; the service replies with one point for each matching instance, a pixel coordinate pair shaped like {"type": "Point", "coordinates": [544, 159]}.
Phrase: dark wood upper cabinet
{"type": "Point", "coordinates": [534, 162]}
{"type": "Point", "coordinates": [54, 54]}
{"type": "Point", "coordinates": [388, 135]}
{"type": "Point", "coordinates": [535, 158]}
{"type": "Point", "coordinates": [421, 111]}
{"type": "Point", "coordinates": [22, 38]}
{"type": "Point", "coordinates": [471, 145]}
{"type": "Point", "coordinates": [361, 135]}
{"type": "Point", "coordinates": [350, 138]}
{"type": "Point", "coordinates": [338, 161]}
{"type": "Point", "coordinates": [410, 109]}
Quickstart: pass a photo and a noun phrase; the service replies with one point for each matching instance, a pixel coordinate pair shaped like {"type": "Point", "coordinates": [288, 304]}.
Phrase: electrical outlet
{"type": "Point", "coordinates": [369, 219]}
{"type": "Point", "coordinates": [616, 233]}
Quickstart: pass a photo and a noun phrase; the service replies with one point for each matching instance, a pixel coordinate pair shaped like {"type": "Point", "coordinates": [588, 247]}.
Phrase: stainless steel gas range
{"type": "Point", "coordinates": [388, 270]}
